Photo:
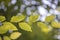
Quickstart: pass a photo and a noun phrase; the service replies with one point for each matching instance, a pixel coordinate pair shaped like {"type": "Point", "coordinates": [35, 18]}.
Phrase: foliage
{"type": "Point", "coordinates": [15, 35]}
{"type": "Point", "coordinates": [17, 18]}
{"type": "Point", "coordinates": [50, 18]}
{"type": "Point", "coordinates": [13, 24]}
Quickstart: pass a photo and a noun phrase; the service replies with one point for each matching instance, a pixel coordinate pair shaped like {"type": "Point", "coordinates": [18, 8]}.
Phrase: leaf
{"type": "Point", "coordinates": [17, 18]}
{"type": "Point", "coordinates": [0, 38]}
{"type": "Point", "coordinates": [46, 30]}
{"type": "Point", "coordinates": [25, 26]}
{"type": "Point", "coordinates": [6, 38]}
{"type": "Point", "coordinates": [44, 27]}
{"type": "Point", "coordinates": [41, 24]}
{"type": "Point", "coordinates": [10, 26]}
{"type": "Point", "coordinates": [55, 24]}
{"type": "Point", "coordinates": [50, 18]}
{"type": "Point", "coordinates": [3, 30]}
{"type": "Point", "coordinates": [7, 26]}
{"type": "Point", "coordinates": [15, 35]}
{"type": "Point", "coordinates": [2, 18]}
{"type": "Point", "coordinates": [33, 18]}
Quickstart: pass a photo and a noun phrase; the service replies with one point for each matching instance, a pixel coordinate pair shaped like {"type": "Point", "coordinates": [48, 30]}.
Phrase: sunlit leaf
{"type": "Point", "coordinates": [55, 24]}
{"type": "Point", "coordinates": [6, 38]}
{"type": "Point", "coordinates": [2, 18]}
{"type": "Point", "coordinates": [7, 26]}
{"type": "Point", "coordinates": [10, 26]}
{"type": "Point", "coordinates": [50, 18]}
{"type": "Point", "coordinates": [3, 30]}
{"type": "Point", "coordinates": [41, 24]}
{"type": "Point", "coordinates": [17, 18]}
{"type": "Point", "coordinates": [46, 30]}
{"type": "Point", "coordinates": [25, 26]}
{"type": "Point", "coordinates": [0, 38]}
{"type": "Point", "coordinates": [15, 35]}
{"type": "Point", "coordinates": [33, 18]}
{"type": "Point", "coordinates": [44, 27]}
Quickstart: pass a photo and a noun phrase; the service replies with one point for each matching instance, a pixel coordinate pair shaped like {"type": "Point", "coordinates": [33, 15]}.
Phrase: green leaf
{"type": "Point", "coordinates": [55, 24]}
{"type": "Point", "coordinates": [33, 18]}
{"type": "Point", "coordinates": [10, 26]}
{"type": "Point", "coordinates": [3, 29]}
{"type": "Point", "coordinates": [44, 27]}
{"type": "Point", "coordinates": [7, 26]}
{"type": "Point", "coordinates": [0, 38]}
{"type": "Point", "coordinates": [25, 26]}
{"type": "Point", "coordinates": [50, 18]}
{"type": "Point", "coordinates": [2, 18]}
{"type": "Point", "coordinates": [41, 24]}
{"type": "Point", "coordinates": [6, 38]}
{"type": "Point", "coordinates": [17, 18]}
{"type": "Point", "coordinates": [15, 35]}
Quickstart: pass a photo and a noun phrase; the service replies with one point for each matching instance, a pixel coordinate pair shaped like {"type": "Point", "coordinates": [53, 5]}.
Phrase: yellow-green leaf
{"type": "Point", "coordinates": [46, 30]}
{"type": "Point", "coordinates": [0, 38]}
{"type": "Point", "coordinates": [25, 26]}
{"type": "Point", "coordinates": [41, 24]}
{"type": "Point", "coordinates": [6, 38]}
{"type": "Point", "coordinates": [2, 18]}
{"type": "Point", "coordinates": [15, 35]}
{"type": "Point", "coordinates": [7, 26]}
{"type": "Point", "coordinates": [44, 27]}
{"type": "Point", "coordinates": [3, 30]}
{"type": "Point", "coordinates": [10, 26]}
{"type": "Point", "coordinates": [17, 18]}
{"type": "Point", "coordinates": [33, 18]}
{"type": "Point", "coordinates": [50, 18]}
{"type": "Point", "coordinates": [55, 24]}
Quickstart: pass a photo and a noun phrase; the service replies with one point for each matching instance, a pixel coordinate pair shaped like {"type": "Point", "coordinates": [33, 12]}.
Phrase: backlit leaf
{"type": "Point", "coordinates": [33, 18]}
{"type": "Point", "coordinates": [55, 24]}
{"type": "Point", "coordinates": [7, 26]}
{"type": "Point", "coordinates": [46, 30]}
{"type": "Point", "coordinates": [44, 27]}
{"type": "Point", "coordinates": [10, 26]}
{"type": "Point", "coordinates": [15, 35]}
{"type": "Point", "coordinates": [50, 18]}
{"type": "Point", "coordinates": [3, 30]}
{"type": "Point", "coordinates": [17, 18]}
{"type": "Point", "coordinates": [2, 18]}
{"type": "Point", "coordinates": [6, 38]}
{"type": "Point", "coordinates": [41, 24]}
{"type": "Point", "coordinates": [25, 26]}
